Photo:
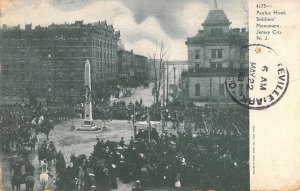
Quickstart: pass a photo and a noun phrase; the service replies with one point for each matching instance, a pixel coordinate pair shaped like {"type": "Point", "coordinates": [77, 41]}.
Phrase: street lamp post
{"type": "Point", "coordinates": [133, 122]}
{"type": "Point", "coordinates": [167, 82]}
{"type": "Point", "coordinates": [163, 101]}
{"type": "Point", "coordinates": [149, 125]}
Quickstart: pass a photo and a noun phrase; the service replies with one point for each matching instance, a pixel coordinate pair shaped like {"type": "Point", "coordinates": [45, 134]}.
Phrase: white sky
{"type": "Point", "coordinates": [141, 25]}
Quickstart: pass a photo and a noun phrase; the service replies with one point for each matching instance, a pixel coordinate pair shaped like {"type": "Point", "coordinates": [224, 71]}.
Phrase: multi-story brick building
{"type": "Point", "coordinates": [48, 62]}
{"type": "Point", "coordinates": [214, 53]}
{"type": "Point", "coordinates": [141, 68]}
{"type": "Point", "coordinates": [132, 68]}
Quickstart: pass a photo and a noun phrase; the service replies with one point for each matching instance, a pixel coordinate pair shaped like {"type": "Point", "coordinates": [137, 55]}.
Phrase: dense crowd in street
{"type": "Point", "coordinates": [20, 122]}
{"type": "Point", "coordinates": [216, 156]}
{"type": "Point", "coordinates": [206, 119]}
{"type": "Point", "coordinates": [208, 162]}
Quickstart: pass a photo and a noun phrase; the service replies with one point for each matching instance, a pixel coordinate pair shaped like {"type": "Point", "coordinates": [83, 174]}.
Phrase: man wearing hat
{"type": "Point", "coordinates": [51, 146]}
{"type": "Point", "coordinates": [44, 145]}
{"type": "Point", "coordinates": [122, 143]}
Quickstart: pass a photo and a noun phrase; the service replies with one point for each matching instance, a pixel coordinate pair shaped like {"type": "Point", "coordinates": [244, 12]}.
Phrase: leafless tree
{"type": "Point", "coordinates": [159, 57]}
{"type": "Point", "coordinates": [246, 10]}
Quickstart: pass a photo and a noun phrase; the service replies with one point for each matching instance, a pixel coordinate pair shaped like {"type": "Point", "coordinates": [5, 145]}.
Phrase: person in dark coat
{"type": "Point", "coordinates": [137, 186]}
{"type": "Point", "coordinates": [131, 142]}
{"type": "Point", "coordinates": [122, 143]}
{"type": "Point", "coordinates": [29, 169]}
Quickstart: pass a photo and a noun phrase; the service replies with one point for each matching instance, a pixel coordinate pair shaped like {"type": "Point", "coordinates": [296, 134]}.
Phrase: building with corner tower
{"type": "Point", "coordinates": [214, 53]}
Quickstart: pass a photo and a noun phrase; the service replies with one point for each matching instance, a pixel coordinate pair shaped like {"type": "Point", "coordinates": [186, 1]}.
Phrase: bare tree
{"type": "Point", "coordinates": [159, 71]}
{"type": "Point", "coordinates": [246, 10]}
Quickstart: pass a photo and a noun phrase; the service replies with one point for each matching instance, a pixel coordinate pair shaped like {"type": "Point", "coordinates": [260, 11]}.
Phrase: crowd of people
{"type": "Point", "coordinates": [211, 152]}
{"type": "Point", "coordinates": [206, 119]}
{"type": "Point", "coordinates": [214, 161]}
{"type": "Point", "coordinates": [216, 157]}
{"type": "Point", "coordinates": [19, 123]}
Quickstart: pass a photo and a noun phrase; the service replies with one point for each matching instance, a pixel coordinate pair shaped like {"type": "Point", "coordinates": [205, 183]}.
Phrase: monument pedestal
{"type": "Point", "coordinates": [89, 126]}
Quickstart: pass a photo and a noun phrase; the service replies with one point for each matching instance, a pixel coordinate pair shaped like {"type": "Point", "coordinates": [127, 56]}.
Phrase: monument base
{"type": "Point", "coordinates": [89, 126]}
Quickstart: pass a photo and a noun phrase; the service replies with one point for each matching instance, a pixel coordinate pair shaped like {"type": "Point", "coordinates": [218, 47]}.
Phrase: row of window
{"type": "Point", "coordinates": [212, 65]}
{"type": "Point", "coordinates": [216, 32]}
{"type": "Point", "coordinates": [105, 65]}
{"type": "Point", "coordinates": [102, 76]}
{"type": "Point", "coordinates": [48, 66]}
{"type": "Point", "coordinates": [60, 79]}
{"type": "Point", "coordinates": [101, 44]}
{"type": "Point", "coordinates": [58, 54]}
{"type": "Point", "coordinates": [221, 89]}
{"type": "Point", "coordinates": [49, 43]}
{"type": "Point", "coordinates": [46, 54]}
{"type": "Point", "coordinates": [215, 53]}
{"type": "Point", "coordinates": [102, 54]}
{"type": "Point", "coordinates": [56, 42]}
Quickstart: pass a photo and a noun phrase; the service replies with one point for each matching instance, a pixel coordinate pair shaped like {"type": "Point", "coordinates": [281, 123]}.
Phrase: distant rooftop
{"type": "Point", "coordinates": [100, 25]}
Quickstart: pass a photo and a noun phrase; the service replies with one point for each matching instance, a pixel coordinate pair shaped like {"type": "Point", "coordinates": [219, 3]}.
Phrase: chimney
{"type": "Point", "coordinates": [28, 26]}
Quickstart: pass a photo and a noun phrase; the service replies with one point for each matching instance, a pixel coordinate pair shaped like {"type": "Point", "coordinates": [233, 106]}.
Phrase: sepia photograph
{"type": "Point", "coordinates": [127, 95]}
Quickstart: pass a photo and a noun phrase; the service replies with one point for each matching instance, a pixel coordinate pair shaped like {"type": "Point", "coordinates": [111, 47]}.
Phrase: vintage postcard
{"type": "Point", "coordinates": [152, 95]}
{"type": "Point", "coordinates": [274, 130]}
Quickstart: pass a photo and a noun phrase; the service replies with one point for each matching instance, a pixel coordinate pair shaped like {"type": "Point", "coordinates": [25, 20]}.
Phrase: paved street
{"type": "Point", "coordinates": [140, 92]}
{"type": "Point", "coordinates": [82, 142]}
{"type": "Point", "coordinates": [145, 94]}
{"type": "Point", "coordinates": [70, 142]}
{"type": "Point", "coordinates": [78, 143]}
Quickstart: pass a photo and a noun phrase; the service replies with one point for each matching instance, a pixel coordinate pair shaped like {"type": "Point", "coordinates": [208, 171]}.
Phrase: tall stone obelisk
{"type": "Point", "coordinates": [88, 124]}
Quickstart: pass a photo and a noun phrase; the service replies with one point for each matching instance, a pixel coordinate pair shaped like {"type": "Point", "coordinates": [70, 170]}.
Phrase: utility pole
{"type": "Point", "coordinates": [164, 83]}
{"type": "Point", "coordinates": [167, 81]}
{"type": "Point", "coordinates": [149, 126]}
{"type": "Point", "coordinates": [174, 75]}
{"type": "Point", "coordinates": [210, 93]}
{"type": "Point", "coordinates": [163, 100]}
{"type": "Point", "coordinates": [133, 123]}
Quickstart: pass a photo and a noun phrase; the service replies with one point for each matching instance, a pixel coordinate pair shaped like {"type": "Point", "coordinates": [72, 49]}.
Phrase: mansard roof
{"type": "Point", "coordinates": [216, 17]}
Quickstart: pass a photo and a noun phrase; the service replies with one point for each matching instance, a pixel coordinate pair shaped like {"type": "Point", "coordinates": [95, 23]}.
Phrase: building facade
{"type": "Point", "coordinates": [214, 54]}
{"type": "Point", "coordinates": [48, 62]}
{"type": "Point", "coordinates": [141, 68]}
{"type": "Point", "coordinates": [132, 68]}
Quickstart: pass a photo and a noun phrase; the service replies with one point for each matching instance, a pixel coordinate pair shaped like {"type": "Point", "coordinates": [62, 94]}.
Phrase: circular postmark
{"type": "Point", "coordinates": [262, 83]}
